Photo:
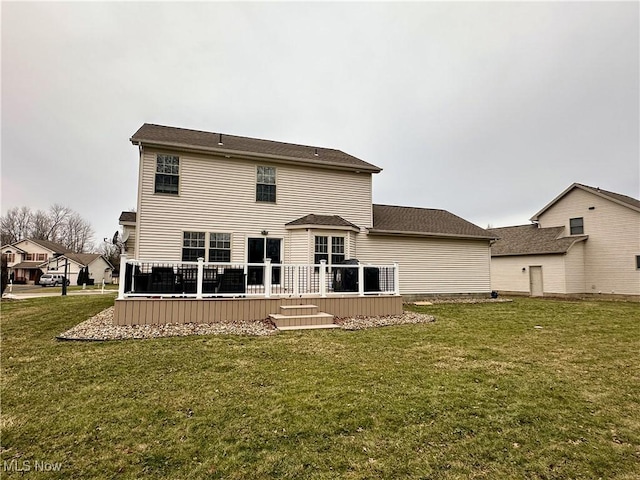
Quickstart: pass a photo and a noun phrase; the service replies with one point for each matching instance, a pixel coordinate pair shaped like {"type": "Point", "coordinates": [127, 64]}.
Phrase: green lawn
{"type": "Point", "coordinates": [480, 393]}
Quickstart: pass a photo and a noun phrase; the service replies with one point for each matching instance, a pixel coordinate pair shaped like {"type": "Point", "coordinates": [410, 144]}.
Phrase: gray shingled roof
{"type": "Point", "coordinates": [26, 265]}
{"type": "Point", "coordinates": [128, 217]}
{"type": "Point", "coordinates": [322, 220]}
{"type": "Point", "coordinates": [616, 196]}
{"type": "Point", "coordinates": [531, 240]}
{"type": "Point", "coordinates": [53, 246]}
{"type": "Point", "coordinates": [423, 221]}
{"type": "Point", "coordinates": [83, 259]}
{"type": "Point", "coordinates": [160, 135]}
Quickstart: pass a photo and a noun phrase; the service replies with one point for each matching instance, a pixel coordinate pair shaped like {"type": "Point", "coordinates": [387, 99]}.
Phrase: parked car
{"type": "Point", "coordinates": [52, 279]}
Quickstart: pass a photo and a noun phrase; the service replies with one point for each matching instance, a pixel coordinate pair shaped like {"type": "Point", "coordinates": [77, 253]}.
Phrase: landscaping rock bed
{"type": "Point", "coordinates": [100, 327]}
{"type": "Point", "coordinates": [435, 301]}
{"type": "Point", "coordinates": [359, 323]}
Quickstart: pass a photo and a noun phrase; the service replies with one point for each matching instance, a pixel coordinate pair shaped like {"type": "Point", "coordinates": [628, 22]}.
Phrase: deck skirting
{"type": "Point", "coordinates": [154, 311]}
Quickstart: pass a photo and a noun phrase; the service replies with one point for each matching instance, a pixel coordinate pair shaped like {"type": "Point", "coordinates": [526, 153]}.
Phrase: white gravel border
{"type": "Point", "coordinates": [100, 327]}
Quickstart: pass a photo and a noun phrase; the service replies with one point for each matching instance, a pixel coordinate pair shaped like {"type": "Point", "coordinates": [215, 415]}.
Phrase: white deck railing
{"type": "Point", "coordinates": [140, 278]}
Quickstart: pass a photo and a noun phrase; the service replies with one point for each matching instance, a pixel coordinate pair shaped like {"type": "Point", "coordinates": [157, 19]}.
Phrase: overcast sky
{"type": "Point", "coordinates": [488, 110]}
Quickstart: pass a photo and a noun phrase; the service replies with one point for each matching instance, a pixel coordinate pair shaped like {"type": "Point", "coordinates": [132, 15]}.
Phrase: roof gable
{"type": "Point", "coordinates": [389, 219]}
{"type": "Point", "coordinates": [618, 198]}
{"type": "Point", "coordinates": [531, 240]}
{"type": "Point", "coordinates": [235, 146]}
{"type": "Point", "coordinates": [82, 259]}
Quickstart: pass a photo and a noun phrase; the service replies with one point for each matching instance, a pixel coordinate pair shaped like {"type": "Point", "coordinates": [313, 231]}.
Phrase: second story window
{"type": "Point", "coordinates": [266, 184]}
{"type": "Point", "coordinates": [167, 174]}
{"type": "Point", "coordinates": [576, 226]}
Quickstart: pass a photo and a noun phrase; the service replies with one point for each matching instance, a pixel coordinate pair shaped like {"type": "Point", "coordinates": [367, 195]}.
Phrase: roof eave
{"type": "Point", "coordinates": [376, 231]}
{"type": "Point", "coordinates": [527, 254]}
{"type": "Point", "coordinates": [258, 156]}
{"type": "Point", "coordinates": [322, 227]}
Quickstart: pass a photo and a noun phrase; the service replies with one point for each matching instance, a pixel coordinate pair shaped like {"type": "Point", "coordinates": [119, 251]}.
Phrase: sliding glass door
{"type": "Point", "coordinates": [257, 250]}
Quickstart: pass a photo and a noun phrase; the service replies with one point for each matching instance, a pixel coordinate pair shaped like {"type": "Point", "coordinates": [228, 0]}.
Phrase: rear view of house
{"type": "Point", "coordinates": [585, 241]}
{"type": "Point", "coordinates": [236, 199]}
{"type": "Point", "coordinates": [270, 219]}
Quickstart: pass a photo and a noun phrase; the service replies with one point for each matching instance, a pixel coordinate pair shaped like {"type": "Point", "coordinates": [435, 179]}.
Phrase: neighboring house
{"type": "Point", "coordinates": [236, 199]}
{"type": "Point", "coordinates": [99, 268]}
{"type": "Point", "coordinates": [25, 257]}
{"type": "Point", "coordinates": [585, 241]}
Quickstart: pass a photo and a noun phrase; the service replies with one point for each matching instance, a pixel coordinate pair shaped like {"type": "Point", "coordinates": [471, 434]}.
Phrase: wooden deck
{"type": "Point", "coordinates": [149, 311]}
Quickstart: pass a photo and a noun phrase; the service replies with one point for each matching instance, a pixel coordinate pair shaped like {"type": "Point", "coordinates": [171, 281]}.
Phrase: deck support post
{"type": "Point", "coordinates": [200, 277]}
{"type": "Point", "coordinates": [122, 279]}
{"type": "Point", "coordinates": [396, 278]}
{"type": "Point", "coordinates": [296, 280]}
{"type": "Point", "coordinates": [267, 278]}
{"type": "Point", "coordinates": [323, 278]}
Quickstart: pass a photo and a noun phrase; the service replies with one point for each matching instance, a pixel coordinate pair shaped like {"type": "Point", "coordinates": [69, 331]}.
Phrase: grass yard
{"type": "Point", "coordinates": [480, 393]}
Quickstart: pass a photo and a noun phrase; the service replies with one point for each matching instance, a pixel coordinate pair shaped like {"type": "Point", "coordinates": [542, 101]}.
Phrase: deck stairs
{"type": "Point", "coordinates": [302, 317]}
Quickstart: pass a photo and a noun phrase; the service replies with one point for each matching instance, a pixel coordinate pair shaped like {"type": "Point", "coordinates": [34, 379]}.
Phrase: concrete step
{"type": "Point", "coordinates": [310, 327]}
{"type": "Point", "coordinates": [301, 320]}
{"type": "Point", "coordinates": [295, 310]}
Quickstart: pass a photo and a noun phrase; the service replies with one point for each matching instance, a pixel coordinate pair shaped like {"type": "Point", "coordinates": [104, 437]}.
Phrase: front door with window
{"type": "Point", "coordinates": [257, 250]}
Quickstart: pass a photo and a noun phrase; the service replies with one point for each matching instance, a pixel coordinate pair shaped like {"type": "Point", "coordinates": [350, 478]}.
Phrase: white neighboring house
{"type": "Point", "coordinates": [25, 257]}
{"type": "Point", "coordinates": [236, 199]}
{"type": "Point", "coordinates": [99, 268]}
{"type": "Point", "coordinates": [585, 241]}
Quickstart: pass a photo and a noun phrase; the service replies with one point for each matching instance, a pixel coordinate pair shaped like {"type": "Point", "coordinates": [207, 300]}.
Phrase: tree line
{"type": "Point", "coordinates": [59, 224]}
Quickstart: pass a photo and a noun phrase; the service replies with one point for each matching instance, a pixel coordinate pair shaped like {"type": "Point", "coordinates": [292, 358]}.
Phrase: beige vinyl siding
{"type": "Point", "coordinates": [574, 269]}
{"type": "Point", "coordinates": [431, 265]}
{"type": "Point", "coordinates": [614, 240]}
{"type": "Point", "coordinates": [130, 244]}
{"type": "Point", "coordinates": [298, 248]}
{"type": "Point", "coordinates": [217, 194]}
{"type": "Point", "coordinates": [507, 274]}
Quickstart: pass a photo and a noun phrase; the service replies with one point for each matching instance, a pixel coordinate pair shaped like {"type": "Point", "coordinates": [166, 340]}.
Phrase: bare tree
{"type": "Point", "coordinates": [58, 215]}
{"type": "Point", "coordinates": [60, 224]}
{"type": "Point", "coordinates": [111, 251]}
{"type": "Point", "coordinates": [14, 226]}
{"type": "Point", "coordinates": [77, 234]}
{"type": "Point", "coordinates": [40, 225]}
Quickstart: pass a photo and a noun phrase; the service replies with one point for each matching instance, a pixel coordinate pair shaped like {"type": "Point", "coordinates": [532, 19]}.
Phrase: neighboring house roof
{"type": "Point", "coordinates": [231, 145]}
{"type": "Point", "coordinates": [52, 246]}
{"type": "Point", "coordinates": [388, 219]}
{"type": "Point", "coordinates": [26, 265]}
{"type": "Point", "coordinates": [82, 259]}
{"type": "Point", "coordinates": [618, 198]}
{"type": "Point", "coordinates": [128, 217]}
{"type": "Point", "coordinates": [321, 220]}
{"type": "Point", "coordinates": [13, 245]}
{"type": "Point", "coordinates": [531, 240]}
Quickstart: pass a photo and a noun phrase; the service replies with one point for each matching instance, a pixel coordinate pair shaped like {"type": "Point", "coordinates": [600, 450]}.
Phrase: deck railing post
{"type": "Point", "coordinates": [396, 278]}
{"type": "Point", "coordinates": [200, 277]}
{"type": "Point", "coordinates": [296, 280]}
{"type": "Point", "coordinates": [323, 278]}
{"type": "Point", "coordinates": [122, 276]}
{"type": "Point", "coordinates": [267, 278]}
{"type": "Point", "coordinates": [361, 279]}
